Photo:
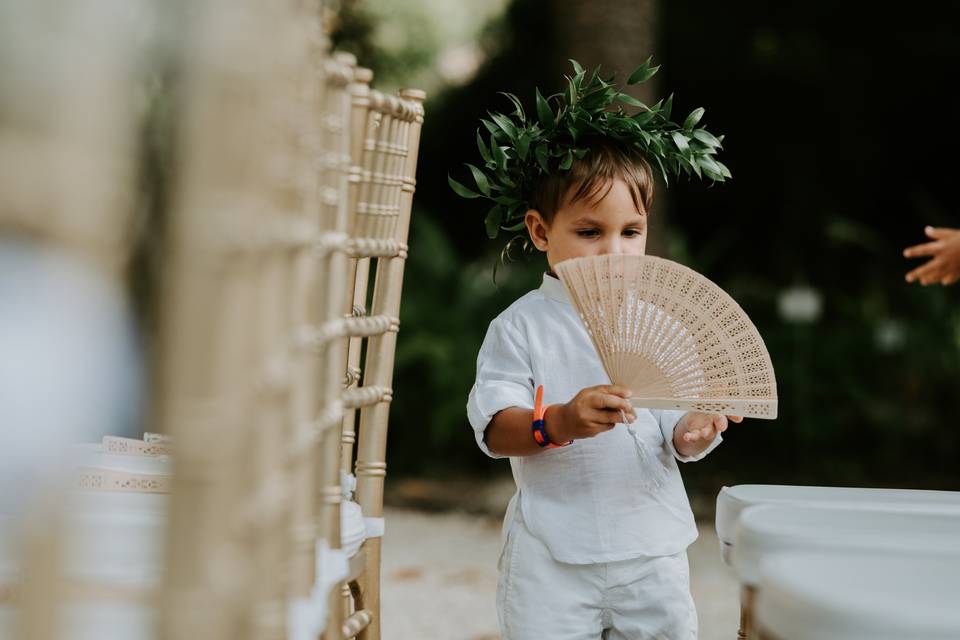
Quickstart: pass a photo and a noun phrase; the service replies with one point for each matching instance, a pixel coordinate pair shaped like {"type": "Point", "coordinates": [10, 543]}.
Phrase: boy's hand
{"type": "Point", "coordinates": [592, 411]}
{"type": "Point", "coordinates": [695, 431]}
{"type": "Point", "coordinates": [695, 426]}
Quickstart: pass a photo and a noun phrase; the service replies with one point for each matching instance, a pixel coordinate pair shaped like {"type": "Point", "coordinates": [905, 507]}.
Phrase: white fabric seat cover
{"type": "Point", "coordinates": [731, 501]}
{"type": "Point", "coordinates": [766, 530]}
{"type": "Point", "coordinates": [862, 596]}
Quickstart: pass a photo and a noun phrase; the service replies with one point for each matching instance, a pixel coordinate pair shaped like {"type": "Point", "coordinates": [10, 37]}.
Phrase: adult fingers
{"type": "Point", "coordinates": [949, 279]}
{"type": "Point", "coordinates": [938, 232]}
{"type": "Point", "coordinates": [922, 271]}
{"type": "Point", "coordinates": [933, 273]}
{"type": "Point", "coordinates": [928, 249]}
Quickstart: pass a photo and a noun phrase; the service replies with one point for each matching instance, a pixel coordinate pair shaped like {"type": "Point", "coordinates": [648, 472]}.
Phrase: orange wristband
{"type": "Point", "coordinates": [539, 428]}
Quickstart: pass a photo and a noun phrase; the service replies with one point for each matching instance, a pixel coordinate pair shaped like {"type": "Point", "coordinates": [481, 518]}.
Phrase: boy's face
{"type": "Point", "coordinates": [612, 225]}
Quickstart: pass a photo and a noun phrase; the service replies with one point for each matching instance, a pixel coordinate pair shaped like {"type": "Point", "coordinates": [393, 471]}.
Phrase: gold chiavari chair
{"type": "Point", "coordinates": [333, 162]}
{"type": "Point", "coordinates": [68, 160]}
{"type": "Point", "coordinates": [384, 144]}
{"type": "Point", "coordinates": [233, 397]}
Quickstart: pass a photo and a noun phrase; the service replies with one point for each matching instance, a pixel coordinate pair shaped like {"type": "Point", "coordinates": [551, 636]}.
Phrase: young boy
{"type": "Point", "coordinates": [593, 545]}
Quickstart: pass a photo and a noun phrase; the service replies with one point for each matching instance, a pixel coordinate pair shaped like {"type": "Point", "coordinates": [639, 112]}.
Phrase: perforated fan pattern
{"type": "Point", "coordinates": [672, 336]}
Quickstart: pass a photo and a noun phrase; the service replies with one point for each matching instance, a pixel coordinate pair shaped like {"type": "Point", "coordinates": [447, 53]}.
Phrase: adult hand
{"type": "Point", "coordinates": [944, 252]}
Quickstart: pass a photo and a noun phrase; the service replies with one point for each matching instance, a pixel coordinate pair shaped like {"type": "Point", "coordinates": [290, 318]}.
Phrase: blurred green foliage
{"type": "Point", "coordinates": [838, 130]}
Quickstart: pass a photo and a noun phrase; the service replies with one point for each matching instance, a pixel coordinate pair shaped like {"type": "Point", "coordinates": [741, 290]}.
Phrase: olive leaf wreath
{"type": "Point", "coordinates": [519, 150]}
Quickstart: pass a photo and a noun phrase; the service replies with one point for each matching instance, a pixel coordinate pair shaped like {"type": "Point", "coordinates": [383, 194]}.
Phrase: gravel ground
{"type": "Point", "coordinates": [440, 578]}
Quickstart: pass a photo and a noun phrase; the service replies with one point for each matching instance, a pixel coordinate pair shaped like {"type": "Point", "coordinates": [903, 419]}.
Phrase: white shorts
{"type": "Point", "coordinates": [539, 598]}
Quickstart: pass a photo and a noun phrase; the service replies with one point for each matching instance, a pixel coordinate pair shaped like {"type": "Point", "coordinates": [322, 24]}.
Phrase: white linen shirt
{"type": "Point", "coordinates": [586, 502]}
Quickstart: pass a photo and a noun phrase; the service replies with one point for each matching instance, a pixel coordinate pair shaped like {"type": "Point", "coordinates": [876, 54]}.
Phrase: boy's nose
{"type": "Point", "coordinates": [614, 246]}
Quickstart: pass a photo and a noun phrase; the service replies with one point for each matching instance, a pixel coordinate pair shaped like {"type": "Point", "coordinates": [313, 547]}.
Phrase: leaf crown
{"type": "Point", "coordinates": [519, 150]}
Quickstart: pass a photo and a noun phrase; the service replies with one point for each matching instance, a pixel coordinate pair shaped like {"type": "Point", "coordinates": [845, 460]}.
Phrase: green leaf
{"type": "Point", "coordinates": [506, 124]}
{"type": "Point", "coordinates": [516, 227]}
{"type": "Point", "coordinates": [643, 73]}
{"type": "Point", "coordinates": [711, 168]}
{"type": "Point", "coordinates": [667, 107]}
{"type": "Point", "coordinates": [499, 157]}
{"type": "Point", "coordinates": [580, 153]}
{"type": "Point", "coordinates": [706, 138]}
{"type": "Point", "coordinates": [461, 190]}
{"type": "Point", "coordinates": [693, 118]}
{"type": "Point", "coordinates": [542, 152]}
{"type": "Point", "coordinates": [723, 170]}
{"type": "Point", "coordinates": [480, 179]}
{"type": "Point", "coordinates": [518, 209]}
{"type": "Point", "coordinates": [663, 171]}
{"type": "Point", "coordinates": [492, 128]}
{"type": "Point", "coordinates": [628, 99]}
{"type": "Point", "coordinates": [567, 161]}
{"type": "Point", "coordinates": [523, 145]}
{"type": "Point", "coordinates": [643, 117]}
{"type": "Point", "coordinates": [484, 152]}
{"type": "Point", "coordinates": [505, 179]}
{"type": "Point", "coordinates": [518, 108]}
{"type": "Point", "coordinates": [544, 112]}
{"type": "Point", "coordinates": [492, 221]}
{"type": "Point", "coordinates": [680, 140]}
{"type": "Point", "coordinates": [576, 66]}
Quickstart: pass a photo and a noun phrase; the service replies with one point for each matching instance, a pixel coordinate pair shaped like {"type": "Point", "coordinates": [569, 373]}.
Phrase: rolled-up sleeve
{"type": "Point", "coordinates": [668, 419]}
{"type": "Point", "coordinates": [504, 378]}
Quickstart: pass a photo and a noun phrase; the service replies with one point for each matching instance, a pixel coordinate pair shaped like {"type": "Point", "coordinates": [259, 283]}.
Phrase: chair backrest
{"type": "Point", "coordinates": [69, 123]}
{"type": "Point", "coordinates": [237, 391]}
{"type": "Point", "coordinates": [384, 145]}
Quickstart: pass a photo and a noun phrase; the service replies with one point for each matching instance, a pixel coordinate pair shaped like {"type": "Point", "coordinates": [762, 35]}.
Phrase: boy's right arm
{"type": "Point", "coordinates": [500, 405]}
{"type": "Point", "coordinates": [591, 412]}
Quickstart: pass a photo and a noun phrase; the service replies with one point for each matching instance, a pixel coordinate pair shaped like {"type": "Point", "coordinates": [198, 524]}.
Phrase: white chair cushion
{"type": "Point", "coordinates": [808, 596]}
{"type": "Point", "coordinates": [731, 501]}
{"type": "Point", "coordinates": [765, 530]}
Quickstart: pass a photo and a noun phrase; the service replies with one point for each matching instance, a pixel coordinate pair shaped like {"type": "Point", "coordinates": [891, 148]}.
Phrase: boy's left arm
{"type": "Point", "coordinates": [691, 436]}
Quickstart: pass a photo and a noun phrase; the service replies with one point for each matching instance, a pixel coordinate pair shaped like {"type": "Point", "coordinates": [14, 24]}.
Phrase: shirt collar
{"type": "Point", "coordinates": [553, 288]}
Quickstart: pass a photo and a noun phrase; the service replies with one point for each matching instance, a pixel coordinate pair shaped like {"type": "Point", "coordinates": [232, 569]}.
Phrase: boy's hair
{"type": "Point", "coordinates": [590, 178]}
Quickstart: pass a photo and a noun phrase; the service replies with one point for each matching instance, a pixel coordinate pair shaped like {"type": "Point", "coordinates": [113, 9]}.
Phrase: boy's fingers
{"type": "Point", "coordinates": [616, 390]}
{"type": "Point", "coordinates": [735, 418]}
{"type": "Point", "coordinates": [610, 401]}
{"type": "Point", "coordinates": [607, 419]}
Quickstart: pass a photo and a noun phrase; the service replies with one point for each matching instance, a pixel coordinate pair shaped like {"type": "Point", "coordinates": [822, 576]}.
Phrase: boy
{"type": "Point", "coordinates": [592, 546]}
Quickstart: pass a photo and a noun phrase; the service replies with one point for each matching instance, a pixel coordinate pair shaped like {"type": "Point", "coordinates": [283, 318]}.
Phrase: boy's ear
{"type": "Point", "coordinates": [537, 228]}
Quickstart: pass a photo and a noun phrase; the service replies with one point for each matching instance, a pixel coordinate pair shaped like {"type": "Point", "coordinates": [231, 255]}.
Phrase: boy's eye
{"type": "Point", "coordinates": [633, 232]}
{"type": "Point", "coordinates": [587, 233]}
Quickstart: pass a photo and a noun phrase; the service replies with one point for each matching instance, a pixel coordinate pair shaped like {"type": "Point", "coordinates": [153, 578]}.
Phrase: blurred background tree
{"type": "Point", "coordinates": [840, 140]}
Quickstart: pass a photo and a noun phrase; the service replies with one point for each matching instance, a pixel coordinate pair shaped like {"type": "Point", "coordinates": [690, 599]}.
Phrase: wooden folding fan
{"type": "Point", "coordinates": [671, 336]}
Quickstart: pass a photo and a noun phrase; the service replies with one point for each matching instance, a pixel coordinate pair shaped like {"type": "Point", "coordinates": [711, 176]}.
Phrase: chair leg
{"type": "Point", "coordinates": [747, 595]}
